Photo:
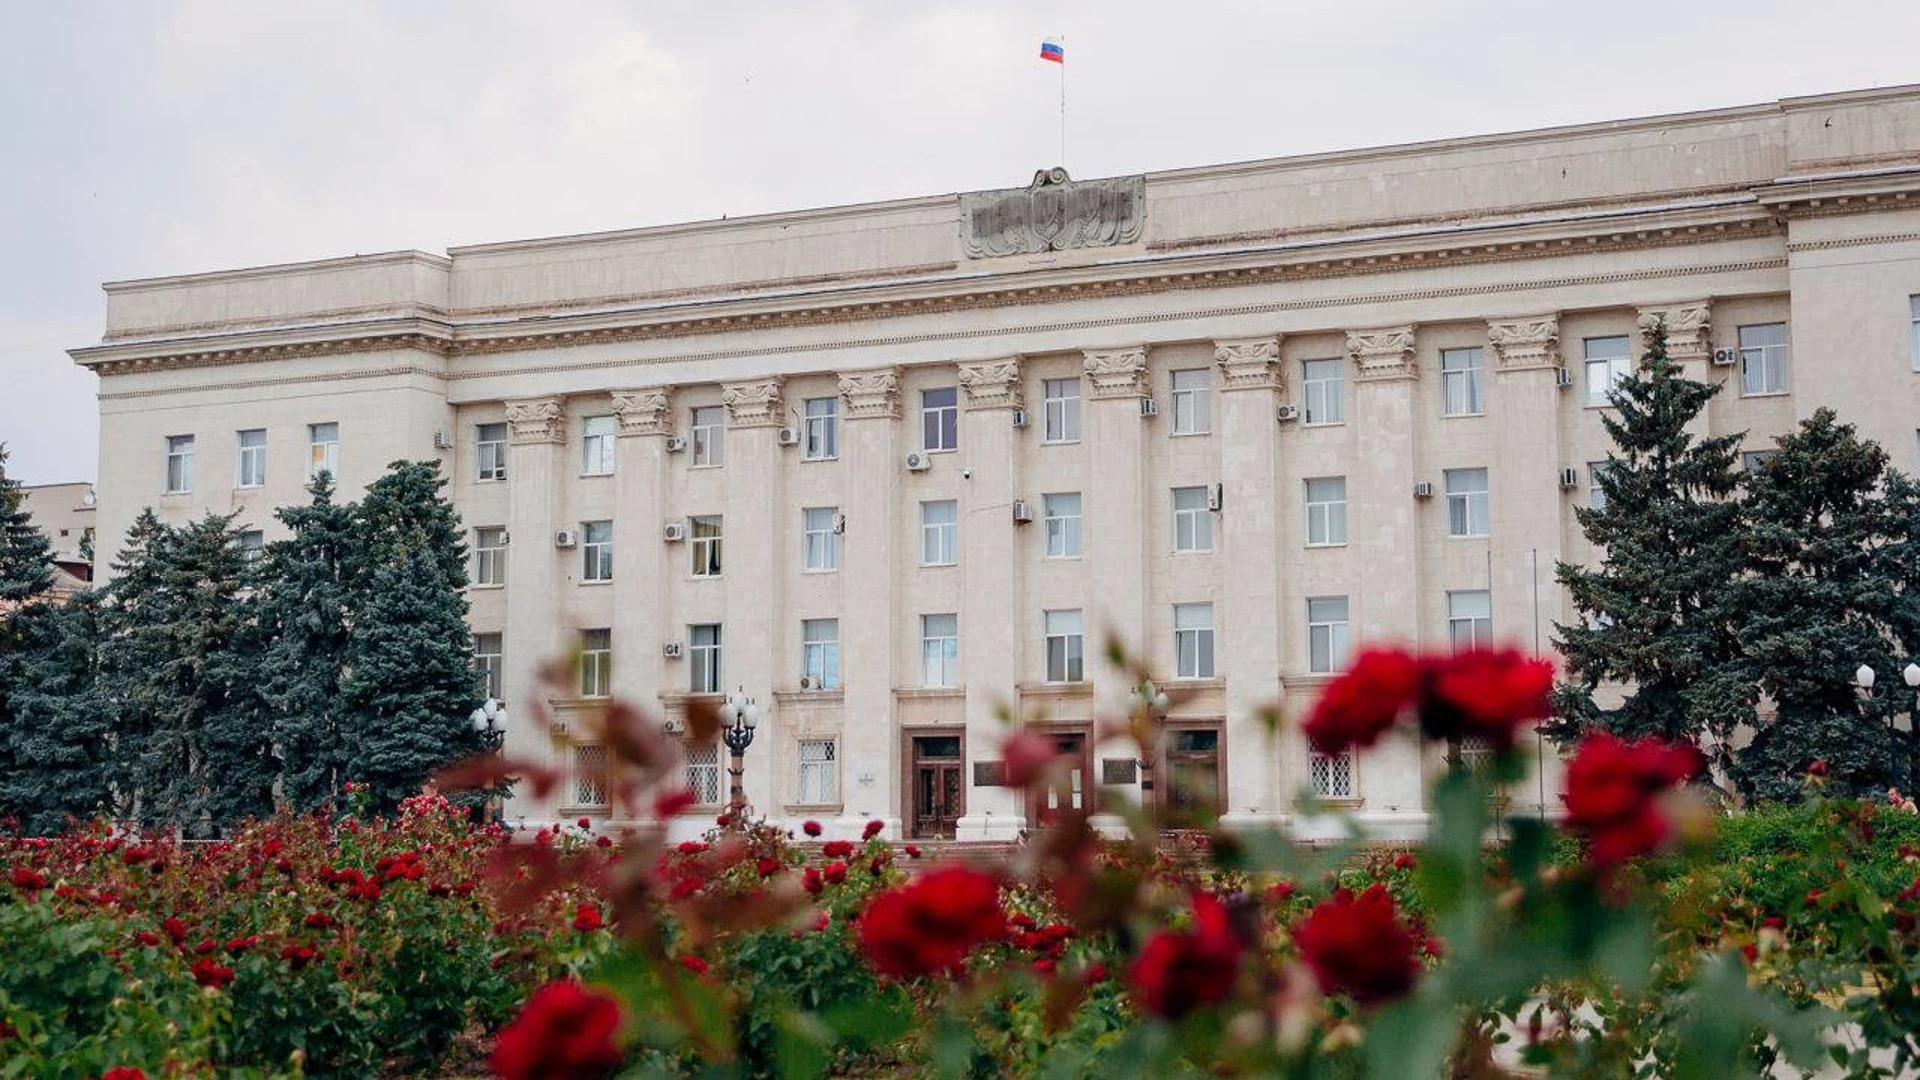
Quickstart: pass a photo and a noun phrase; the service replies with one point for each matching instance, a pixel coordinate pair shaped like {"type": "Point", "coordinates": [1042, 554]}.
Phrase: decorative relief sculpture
{"type": "Point", "coordinates": [1689, 330]}
{"type": "Point", "coordinates": [1380, 355]}
{"type": "Point", "coordinates": [1253, 364]}
{"type": "Point", "coordinates": [536, 421]}
{"type": "Point", "coordinates": [1054, 213]}
{"type": "Point", "coordinates": [992, 384]}
{"type": "Point", "coordinates": [1523, 344]}
{"type": "Point", "coordinates": [874, 394]}
{"type": "Point", "coordinates": [644, 412]}
{"type": "Point", "coordinates": [753, 404]}
{"type": "Point", "coordinates": [1117, 373]}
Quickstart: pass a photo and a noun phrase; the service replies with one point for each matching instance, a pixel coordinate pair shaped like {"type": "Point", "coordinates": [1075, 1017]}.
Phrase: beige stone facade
{"type": "Point", "coordinates": [1255, 413]}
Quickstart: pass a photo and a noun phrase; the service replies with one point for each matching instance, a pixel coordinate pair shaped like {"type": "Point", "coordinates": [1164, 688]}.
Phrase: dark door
{"type": "Point", "coordinates": [1068, 791]}
{"type": "Point", "coordinates": [939, 796]}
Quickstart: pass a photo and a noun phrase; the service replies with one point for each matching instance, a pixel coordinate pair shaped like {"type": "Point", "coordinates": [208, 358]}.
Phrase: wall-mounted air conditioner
{"type": "Point", "coordinates": [566, 538]}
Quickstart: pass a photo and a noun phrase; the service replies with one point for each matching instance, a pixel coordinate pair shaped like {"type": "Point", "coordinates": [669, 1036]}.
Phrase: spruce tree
{"type": "Point", "coordinates": [26, 555]}
{"type": "Point", "coordinates": [55, 765]}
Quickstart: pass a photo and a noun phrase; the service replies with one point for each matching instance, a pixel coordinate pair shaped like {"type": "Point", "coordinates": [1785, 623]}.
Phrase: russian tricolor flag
{"type": "Point", "coordinates": [1054, 51]}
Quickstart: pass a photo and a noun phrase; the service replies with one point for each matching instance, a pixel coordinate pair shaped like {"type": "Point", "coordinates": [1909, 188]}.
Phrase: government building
{"type": "Point", "coordinates": [899, 471]}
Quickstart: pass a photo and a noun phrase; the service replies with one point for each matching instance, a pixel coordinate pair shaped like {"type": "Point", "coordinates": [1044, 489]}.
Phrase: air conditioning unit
{"type": "Point", "coordinates": [788, 436]}
{"type": "Point", "coordinates": [1569, 478]}
{"type": "Point", "coordinates": [1022, 513]}
{"type": "Point", "coordinates": [918, 463]}
{"type": "Point", "coordinates": [806, 682]}
{"type": "Point", "coordinates": [1286, 414]}
{"type": "Point", "coordinates": [1149, 407]}
{"type": "Point", "coordinates": [505, 538]}
{"type": "Point", "coordinates": [1019, 418]}
{"type": "Point", "coordinates": [676, 443]}
{"type": "Point", "coordinates": [566, 538]}
{"type": "Point", "coordinates": [442, 441]}
{"type": "Point", "coordinates": [1726, 357]}
{"type": "Point", "coordinates": [673, 532]}
{"type": "Point", "coordinates": [671, 650]}
{"type": "Point", "coordinates": [1423, 490]}
{"type": "Point", "coordinates": [1562, 378]}
{"type": "Point", "coordinates": [839, 524]}
{"type": "Point", "coordinates": [1216, 496]}
{"type": "Point", "coordinates": [673, 725]}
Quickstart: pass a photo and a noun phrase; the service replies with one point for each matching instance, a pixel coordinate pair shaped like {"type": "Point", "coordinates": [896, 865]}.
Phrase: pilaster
{"type": "Point", "coordinates": [759, 556]}
{"type": "Point", "coordinates": [1382, 355]}
{"type": "Point", "coordinates": [992, 626]}
{"type": "Point", "coordinates": [1528, 344]}
{"type": "Point", "coordinates": [870, 568]}
{"type": "Point", "coordinates": [1116, 373]}
{"type": "Point", "coordinates": [992, 384]}
{"type": "Point", "coordinates": [533, 635]}
{"type": "Point", "coordinates": [1380, 493]}
{"type": "Point", "coordinates": [1250, 364]}
{"type": "Point", "coordinates": [871, 394]}
{"type": "Point", "coordinates": [755, 404]}
{"type": "Point", "coordinates": [644, 412]}
{"type": "Point", "coordinates": [1115, 513]}
{"type": "Point", "coordinates": [640, 606]}
{"type": "Point", "coordinates": [1689, 344]}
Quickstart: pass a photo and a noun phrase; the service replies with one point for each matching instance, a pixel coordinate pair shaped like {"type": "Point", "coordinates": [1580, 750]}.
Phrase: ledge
{"type": "Point", "coordinates": [809, 697]}
{"type": "Point", "coordinates": [1055, 690]}
{"type": "Point", "coordinates": [929, 693]}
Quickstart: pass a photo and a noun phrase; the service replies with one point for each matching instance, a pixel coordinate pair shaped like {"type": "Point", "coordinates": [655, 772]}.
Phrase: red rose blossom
{"type": "Point", "coordinates": [811, 828]}
{"type": "Point", "coordinates": [123, 1072]}
{"type": "Point", "coordinates": [695, 964]}
{"type": "Point", "coordinates": [670, 803]}
{"type": "Point", "coordinates": [208, 972]}
{"type": "Point", "coordinates": [835, 873]}
{"type": "Point", "coordinates": [836, 849]}
{"type": "Point", "coordinates": [299, 956]}
{"type": "Point", "coordinates": [768, 867]}
{"type": "Point", "coordinates": [1613, 794]}
{"type": "Point", "coordinates": [586, 918]}
{"type": "Point", "coordinates": [1485, 693]}
{"type": "Point", "coordinates": [872, 829]}
{"type": "Point", "coordinates": [1363, 703]}
{"type": "Point", "coordinates": [565, 1031]}
{"type": "Point", "coordinates": [1180, 971]}
{"type": "Point", "coordinates": [912, 850]}
{"type": "Point", "coordinates": [1357, 945]}
{"type": "Point", "coordinates": [813, 881]}
{"type": "Point", "coordinates": [27, 879]}
{"type": "Point", "coordinates": [929, 925]}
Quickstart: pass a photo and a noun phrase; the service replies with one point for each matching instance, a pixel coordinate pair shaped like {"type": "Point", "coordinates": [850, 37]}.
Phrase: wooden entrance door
{"type": "Point", "coordinates": [1070, 790]}
{"type": "Point", "coordinates": [938, 789]}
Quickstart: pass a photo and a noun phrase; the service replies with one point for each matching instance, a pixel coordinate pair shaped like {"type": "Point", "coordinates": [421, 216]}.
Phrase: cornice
{"type": "Point", "coordinates": [287, 380]}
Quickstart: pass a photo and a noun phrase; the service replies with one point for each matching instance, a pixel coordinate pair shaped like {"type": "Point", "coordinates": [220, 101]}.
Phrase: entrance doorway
{"type": "Point", "coordinates": [1067, 791]}
{"type": "Point", "coordinates": [938, 790]}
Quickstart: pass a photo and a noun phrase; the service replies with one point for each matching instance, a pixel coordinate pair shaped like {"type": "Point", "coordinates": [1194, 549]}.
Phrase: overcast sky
{"type": "Point", "coordinates": [153, 137]}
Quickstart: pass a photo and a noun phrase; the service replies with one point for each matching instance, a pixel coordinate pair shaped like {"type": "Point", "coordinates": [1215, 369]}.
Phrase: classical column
{"type": "Point", "coordinates": [1114, 540]}
{"type": "Point", "coordinates": [643, 564]}
{"type": "Point", "coordinates": [992, 626]}
{"type": "Point", "coordinates": [1246, 535]}
{"type": "Point", "coordinates": [533, 636]}
{"type": "Point", "coordinates": [758, 539]}
{"type": "Point", "coordinates": [1690, 345]}
{"type": "Point", "coordinates": [870, 569]}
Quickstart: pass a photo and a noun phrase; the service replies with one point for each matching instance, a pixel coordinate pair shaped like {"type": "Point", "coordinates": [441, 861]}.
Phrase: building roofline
{"type": "Point", "coordinates": [336, 262]}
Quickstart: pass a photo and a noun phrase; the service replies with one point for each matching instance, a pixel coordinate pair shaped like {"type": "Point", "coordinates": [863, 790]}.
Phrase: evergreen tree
{"type": "Point", "coordinates": [1655, 611]}
{"type": "Point", "coordinates": [26, 556]}
{"type": "Point", "coordinates": [55, 766]}
{"type": "Point", "coordinates": [1898, 570]}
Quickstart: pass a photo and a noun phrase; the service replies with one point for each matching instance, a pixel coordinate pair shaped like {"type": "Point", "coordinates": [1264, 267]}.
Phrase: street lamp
{"type": "Point", "coordinates": [738, 736]}
{"type": "Point", "coordinates": [1863, 677]}
{"type": "Point", "coordinates": [1150, 704]}
{"type": "Point", "coordinates": [490, 725]}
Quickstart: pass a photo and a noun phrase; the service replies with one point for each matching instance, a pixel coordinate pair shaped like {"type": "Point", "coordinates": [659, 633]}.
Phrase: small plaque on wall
{"type": "Point", "coordinates": [989, 774]}
{"type": "Point", "coordinates": [1119, 770]}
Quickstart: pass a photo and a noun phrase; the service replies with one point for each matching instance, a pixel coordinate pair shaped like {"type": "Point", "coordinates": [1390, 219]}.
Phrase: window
{"type": "Point", "coordinates": [1460, 382]}
{"type": "Point", "coordinates": [491, 442]}
{"type": "Point", "coordinates": [1192, 414]}
{"type": "Point", "coordinates": [1332, 774]}
{"type": "Point", "coordinates": [703, 774]}
{"type": "Point", "coordinates": [1474, 753]}
{"type": "Point", "coordinates": [820, 441]}
{"type": "Point", "coordinates": [1596, 495]}
{"type": "Point", "coordinates": [703, 649]}
{"type": "Point", "coordinates": [1192, 521]}
{"type": "Point", "coordinates": [323, 450]}
{"type": "Point", "coordinates": [820, 653]}
{"type": "Point", "coordinates": [1328, 634]}
{"type": "Point", "coordinates": [709, 437]}
{"type": "Point", "coordinates": [1470, 619]}
{"type": "Point", "coordinates": [1752, 460]}
{"type": "Point", "coordinates": [596, 446]}
{"type": "Point", "coordinates": [1609, 363]}
{"type": "Point", "coordinates": [252, 544]}
{"type": "Point", "coordinates": [1914, 302]}
{"type": "Point", "coordinates": [940, 650]}
{"type": "Point", "coordinates": [1063, 524]}
{"type": "Point", "coordinates": [819, 775]}
{"type": "Point", "coordinates": [706, 545]}
{"type": "Point", "coordinates": [1060, 410]}
{"type": "Point", "coordinates": [1064, 644]}
{"type": "Point", "coordinates": [1193, 641]}
{"type": "Point", "coordinates": [1466, 502]}
{"type": "Point", "coordinates": [1763, 359]}
{"type": "Point", "coordinates": [253, 459]}
{"type": "Point", "coordinates": [820, 545]}
{"type": "Point", "coordinates": [940, 419]}
{"type": "Point", "coordinates": [1323, 391]}
{"type": "Point", "coordinates": [938, 528]}
{"type": "Point", "coordinates": [490, 556]}
{"type": "Point", "coordinates": [596, 663]}
{"type": "Point", "coordinates": [1326, 511]}
{"type": "Point", "coordinates": [596, 551]}
{"type": "Point", "coordinates": [1193, 769]}
{"type": "Point", "coordinates": [487, 656]}
{"type": "Point", "coordinates": [589, 789]}
{"type": "Point", "coordinates": [179, 463]}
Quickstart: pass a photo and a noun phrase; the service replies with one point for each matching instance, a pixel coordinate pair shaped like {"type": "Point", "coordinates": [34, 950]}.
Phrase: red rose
{"type": "Point", "coordinates": [175, 929]}
{"type": "Point", "coordinates": [912, 850]}
{"type": "Point", "coordinates": [586, 918]}
{"type": "Point", "coordinates": [1280, 892]}
{"type": "Point", "coordinates": [603, 840]}
{"type": "Point", "coordinates": [1358, 946]}
{"type": "Point", "coordinates": [1028, 754]}
{"type": "Point", "coordinates": [813, 881]}
{"type": "Point", "coordinates": [670, 803]}
{"type": "Point", "coordinates": [147, 938]}
{"type": "Point", "coordinates": [835, 873]}
{"type": "Point", "coordinates": [207, 972]}
{"type": "Point", "coordinates": [872, 829]}
{"type": "Point", "coordinates": [695, 965]}
{"type": "Point", "coordinates": [1818, 768]}
{"type": "Point", "coordinates": [28, 880]}
{"type": "Point", "coordinates": [1613, 794]}
{"type": "Point", "coordinates": [564, 1032]}
{"type": "Point", "coordinates": [207, 945]}
{"type": "Point", "coordinates": [123, 1072]}
{"type": "Point", "coordinates": [1183, 970]}
{"type": "Point", "coordinates": [1403, 861]}
{"type": "Point", "coordinates": [691, 847]}
{"type": "Point", "coordinates": [837, 849]}
{"type": "Point", "coordinates": [299, 956]}
{"type": "Point", "coordinates": [1359, 706]}
{"type": "Point", "coordinates": [929, 925]}
{"type": "Point", "coordinates": [769, 867]}
{"type": "Point", "coordinates": [1487, 693]}
{"type": "Point", "coordinates": [319, 920]}
{"type": "Point", "coordinates": [585, 823]}
{"type": "Point", "coordinates": [811, 828]}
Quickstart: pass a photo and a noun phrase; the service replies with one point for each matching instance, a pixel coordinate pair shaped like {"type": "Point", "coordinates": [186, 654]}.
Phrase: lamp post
{"type": "Point", "coordinates": [1149, 707]}
{"type": "Point", "coordinates": [738, 736]}
{"type": "Point", "coordinates": [490, 725]}
{"type": "Point", "coordinates": [1864, 677]}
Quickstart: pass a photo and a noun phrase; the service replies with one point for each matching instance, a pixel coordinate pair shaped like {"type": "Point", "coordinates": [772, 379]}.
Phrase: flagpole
{"type": "Point", "coordinates": [1063, 105]}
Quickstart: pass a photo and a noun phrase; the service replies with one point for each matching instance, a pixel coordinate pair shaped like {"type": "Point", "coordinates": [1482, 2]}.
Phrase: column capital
{"type": "Point", "coordinates": [1249, 364]}
{"type": "Point", "coordinates": [1528, 344]}
{"type": "Point", "coordinates": [644, 412]}
{"type": "Point", "coordinates": [992, 384]}
{"type": "Point", "coordinates": [1382, 355]}
{"type": "Point", "coordinates": [754, 404]}
{"type": "Point", "coordinates": [1689, 329]}
{"type": "Point", "coordinates": [536, 420]}
{"type": "Point", "coordinates": [1117, 373]}
{"type": "Point", "coordinates": [871, 394]}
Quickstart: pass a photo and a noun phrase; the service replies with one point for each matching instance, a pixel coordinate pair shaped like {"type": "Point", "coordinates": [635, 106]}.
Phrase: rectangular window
{"type": "Point", "coordinates": [1609, 363]}
{"type": "Point", "coordinates": [820, 653]}
{"type": "Point", "coordinates": [1752, 460]}
{"type": "Point", "coordinates": [706, 545]}
{"type": "Point", "coordinates": [940, 650]}
{"type": "Point", "coordinates": [179, 463]}
{"type": "Point", "coordinates": [1193, 769]}
{"type": "Point", "coordinates": [490, 556]}
{"type": "Point", "coordinates": [709, 436]}
{"type": "Point", "coordinates": [253, 459]}
{"type": "Point", "coordinates": [1460, 371]}
{"type": "Point", "coordinates": [1323, 391]}
{"type": "Point", "coordinates": [589, 777]}
{"type": "Point", "coordinates": [1466, 502]}
{"type": "Point", "coordinates": [490, 440]}
{"type": "Point", "coordinates": [940, 419]}
{"type": "Point", "coordinates": [1470, 619]}
{"type": "Point", "coordinates": [323, 450]}
{"type": "Point", "coordinates": [1060, 410]}
{"type": "Point", "coordinates": [819, 773]}
{"type": "Point", "coordinates": [1332, 774]}
{"type": "Point", "coordinates": [1914, 302]}
{"type": "Point", "coordinates": [939, 526]}
{"type": "Point", "coordinates": [1192, 521]}
{"type": "Point", "coordinates": [1596, 495]}
{"type": "Point", "coordinates": [1063, 524]}
{"type": "Point", "coordinates": [1065, 662]}
{"type": "Point", "coordinates": [820, 542]}
{"type": "Point", "coordinates": [703, 774]}
{"type": "Point", "coordinates": [487, 663]}
{"type": "Point", "coordinates": [1326, 511]}
{"type": "Point", "coordinates": [596, 663]}
{"type": "Point", "coordinates": [596, 551]}
{"type": "Point", "coordinates": [252, 544]}
{"type": "Point", "coordinates": [1193, 641]}
{"type": "Point", "coordinates": [596, 446]}
{"type": "Point", "coordinates": [821, 439]}
{"type": "Point", "coordinates": [1192, 412]}
{"type": "Point", "coordinates": [1763, 359]}
{"type": "Point", "coordinates": [1328, 634]}
{"type": "Point", "coordinates": [703, 650]}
